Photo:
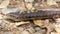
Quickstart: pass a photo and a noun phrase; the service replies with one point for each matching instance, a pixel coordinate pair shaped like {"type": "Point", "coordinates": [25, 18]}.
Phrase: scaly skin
{"type": "Point", "coordinates": [33, 15]}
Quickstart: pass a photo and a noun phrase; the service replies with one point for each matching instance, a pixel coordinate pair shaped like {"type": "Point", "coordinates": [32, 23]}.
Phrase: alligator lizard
{"type": "Point", "coordinates": [33, 15]}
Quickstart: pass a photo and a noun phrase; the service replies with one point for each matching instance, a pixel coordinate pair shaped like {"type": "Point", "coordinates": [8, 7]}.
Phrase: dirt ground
{"type": "Point", "coordinates": [35, 27]}
{"type": "Point", "coordinates": [11, 28]}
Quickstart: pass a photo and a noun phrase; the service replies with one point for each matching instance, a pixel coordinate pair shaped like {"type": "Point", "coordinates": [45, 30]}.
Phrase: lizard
{"type": "Point", "coordinates": [47, 14]}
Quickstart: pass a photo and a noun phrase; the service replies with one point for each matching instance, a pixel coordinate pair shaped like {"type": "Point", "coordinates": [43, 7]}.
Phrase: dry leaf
{"type": "Point", "coordinates": [4, 4]}
{"type": "Point", "coordinates": [39, 22]}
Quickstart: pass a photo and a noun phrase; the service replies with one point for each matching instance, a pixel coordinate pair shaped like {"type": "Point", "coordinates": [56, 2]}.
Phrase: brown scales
{"type": "Point", "coordinates": [33, 15]}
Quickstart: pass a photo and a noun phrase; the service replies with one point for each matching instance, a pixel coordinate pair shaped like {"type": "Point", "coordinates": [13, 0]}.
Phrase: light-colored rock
{"type": "Point", "coordinates": [9, 10]}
